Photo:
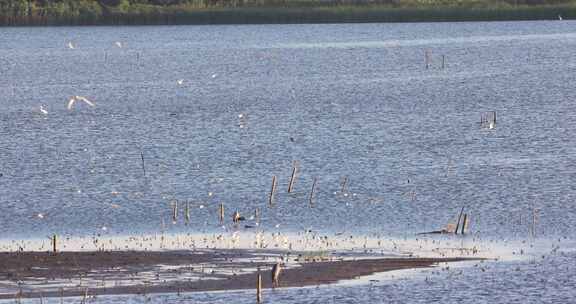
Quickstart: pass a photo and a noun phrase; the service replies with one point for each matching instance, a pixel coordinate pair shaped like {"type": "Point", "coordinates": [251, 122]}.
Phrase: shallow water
{"type": "Point", "coordinates": [350, 100]}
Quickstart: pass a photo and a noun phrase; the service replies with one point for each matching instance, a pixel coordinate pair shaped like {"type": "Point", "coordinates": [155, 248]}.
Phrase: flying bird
{"type": "Point", "coordinates": [78, 98]}
{"type": "Point", "coordinates": [42, 110]}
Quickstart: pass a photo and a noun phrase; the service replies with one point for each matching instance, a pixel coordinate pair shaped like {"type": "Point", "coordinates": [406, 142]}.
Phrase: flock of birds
{"type": "Point", "coordinates": [74, 99]}
{"type": "Point", "coordinates": [70, 106]}
{"type": "Point", "coordinates": [77, 99]}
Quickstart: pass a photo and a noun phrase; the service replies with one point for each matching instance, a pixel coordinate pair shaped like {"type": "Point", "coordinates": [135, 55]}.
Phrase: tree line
{"type": "Point", "coordinates": [78, 12]}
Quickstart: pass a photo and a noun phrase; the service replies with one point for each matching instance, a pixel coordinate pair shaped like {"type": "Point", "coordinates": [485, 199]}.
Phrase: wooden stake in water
{"type": "Point", "coordinates": [187, 212]}
{"type": "Point", "coordinates": [464, 224]}
{"type": "Point", "coordinates": [458, 222]}
{"type": "Point", "coordinates": [54, 246]}
{"type": "Point", "coordinates": [292, 178]}
{"type": "Point", "coordinates": [443, 61]}
{"type": "Point", "coordinates": [85, 297]}
{"type": "Point", "coordinates": [221, 213]}
{"type": "Point", "coordinates": [427, 55]}
{"type": "Point", "coordinates": [534, 219]}
{"type": "Point", "coordinates": [344, 182]}
{"type": "Point", "coordinates": [312, 192]}
{"type": "Point", "coordinates": [175, 210]}
{"type": "Point", "coordinates": [259, 288]}
{"type": "Point", "coordinates": [271, 200]}
{"type": "Point", "coordinates": [143, 164]}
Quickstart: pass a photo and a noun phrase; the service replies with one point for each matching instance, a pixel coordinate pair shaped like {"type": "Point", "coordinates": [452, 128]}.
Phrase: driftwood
{"type": "Point", "coordinates": [450, 228]}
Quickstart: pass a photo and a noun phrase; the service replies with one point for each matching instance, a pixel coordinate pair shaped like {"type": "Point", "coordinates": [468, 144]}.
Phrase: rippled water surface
{"type": "Point", "coordinates": [216, 111]}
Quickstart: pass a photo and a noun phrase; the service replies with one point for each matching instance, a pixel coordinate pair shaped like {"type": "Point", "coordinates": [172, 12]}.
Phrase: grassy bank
{"type": "Point", "coordinates": [142, 12]}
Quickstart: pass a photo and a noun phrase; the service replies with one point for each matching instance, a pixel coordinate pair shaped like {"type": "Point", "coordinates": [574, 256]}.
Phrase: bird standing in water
{"type": "Point", "coordinates": [276, 270]}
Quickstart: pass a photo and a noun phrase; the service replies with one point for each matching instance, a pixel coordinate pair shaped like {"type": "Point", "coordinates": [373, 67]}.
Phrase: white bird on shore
{"type": "Point", "coordinates": [78, 98]}
{"type": "Point", "coordinates": [42, 110]}
{"type": "Point", "coordinates": [70, 45]}
{"type": "Point", "coordinates": [560, 17]}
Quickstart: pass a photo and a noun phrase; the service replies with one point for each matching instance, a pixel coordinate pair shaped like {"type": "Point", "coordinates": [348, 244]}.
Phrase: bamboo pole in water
{"type": "Point", "coordinates": [427, 58]}
{"type": "Point", "coordinates": [292, 178]}
{"type": "Point", "coordinates": [443, 61]}
{"type": "Point", "coordinates": [271, 200]}
{"type": "Point", "coordinates": [259, 288]}
{"type": "Point", "coordinates": [54, 246]}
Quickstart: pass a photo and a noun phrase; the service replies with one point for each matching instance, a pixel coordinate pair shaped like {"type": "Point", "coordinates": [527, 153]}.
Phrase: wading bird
{"type": "Point", "coordinates": [236, 217]}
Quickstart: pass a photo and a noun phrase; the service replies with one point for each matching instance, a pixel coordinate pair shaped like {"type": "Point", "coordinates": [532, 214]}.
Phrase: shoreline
{"type": "Point", "coordinates": [69, 274]}
{"type": "Point", "coordinates": [294, 15]}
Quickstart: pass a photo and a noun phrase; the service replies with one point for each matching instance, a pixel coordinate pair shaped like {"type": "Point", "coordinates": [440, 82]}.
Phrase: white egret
{"type": "Point", "coordinates": [42, 110]}
{"type": "Point", "coordinates": [70, 45]}
{"type": "Point", "coordinates": [492, 125]}
{"type": "Point", "coordinates": [118, 44]}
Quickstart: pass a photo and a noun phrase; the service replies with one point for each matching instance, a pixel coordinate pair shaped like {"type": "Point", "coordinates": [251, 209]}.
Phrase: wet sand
{"type": "Point", "coordinates": [98, 273]}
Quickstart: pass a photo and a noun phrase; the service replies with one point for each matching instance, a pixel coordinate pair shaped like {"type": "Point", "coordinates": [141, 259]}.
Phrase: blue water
{"type": "Point", "coordinates": [349, 100]}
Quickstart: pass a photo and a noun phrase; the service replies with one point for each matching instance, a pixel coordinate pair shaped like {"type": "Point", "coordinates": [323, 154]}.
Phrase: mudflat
{"type": "Point", "coordinates": [63, 274]}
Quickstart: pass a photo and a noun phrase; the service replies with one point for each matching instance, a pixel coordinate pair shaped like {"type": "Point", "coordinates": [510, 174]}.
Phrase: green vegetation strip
{"type": "Point", "coordinates": [153, 12]}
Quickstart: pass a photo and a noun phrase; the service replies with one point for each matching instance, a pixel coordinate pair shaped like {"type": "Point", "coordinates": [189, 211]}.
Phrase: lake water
{"type": "Point", "coordinates": [216, 111]}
